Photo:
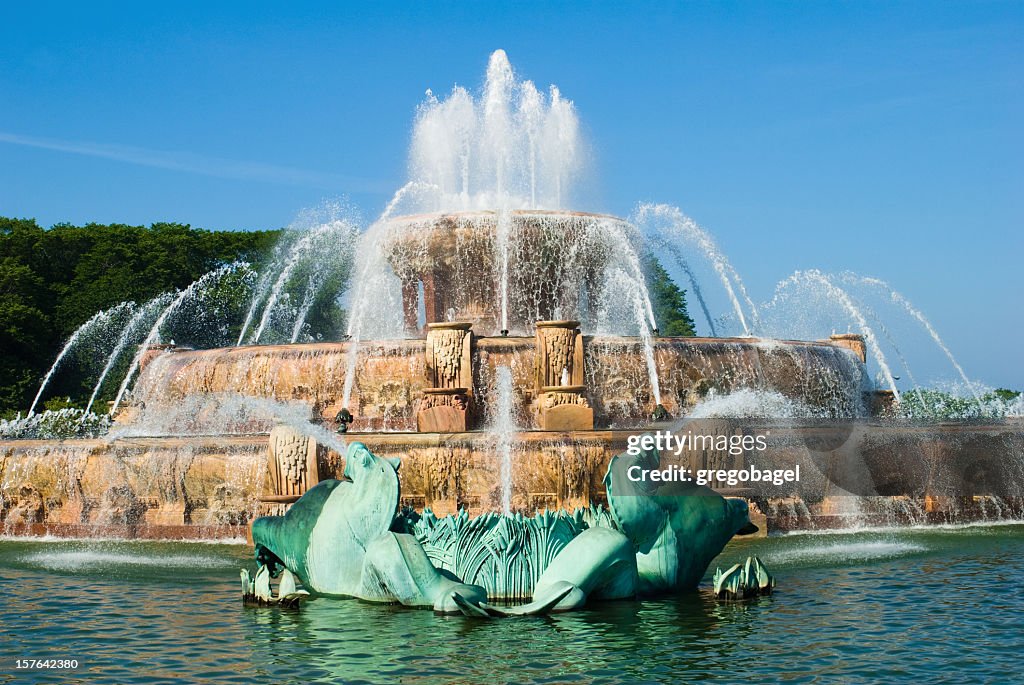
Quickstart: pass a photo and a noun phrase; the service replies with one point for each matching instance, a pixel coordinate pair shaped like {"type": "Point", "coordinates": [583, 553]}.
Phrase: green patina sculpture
{"type": "Point", "coordinates": [743, 582]}
{"type": "Point", "coordinates": [338, 540]}
{"type": "Point", "coordinates": [677, 528]}
{"type": "Point", "coordinates": [347, 538]}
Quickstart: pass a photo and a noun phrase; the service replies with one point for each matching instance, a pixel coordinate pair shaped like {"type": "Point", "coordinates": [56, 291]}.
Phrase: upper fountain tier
{"type": "Point", "coordinates": [505, 270]}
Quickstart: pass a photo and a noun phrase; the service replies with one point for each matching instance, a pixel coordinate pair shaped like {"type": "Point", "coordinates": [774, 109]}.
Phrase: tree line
{"type": "Point", "coordinates": [54, 280]}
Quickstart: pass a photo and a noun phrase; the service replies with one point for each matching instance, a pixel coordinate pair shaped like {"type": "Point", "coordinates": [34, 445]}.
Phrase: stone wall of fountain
{"type": "Point", "coordinates": [159, 488]}
{"type": "Point", "coordinates": [500, 270]}
{"type": "Point", "coordinates": [391, 377]}
{"type": "Point", "coordinates": [212, 486]}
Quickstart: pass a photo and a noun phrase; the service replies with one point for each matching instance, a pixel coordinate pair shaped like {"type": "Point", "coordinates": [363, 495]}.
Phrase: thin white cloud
{"type": "Point", "coordinates": [198, 164]}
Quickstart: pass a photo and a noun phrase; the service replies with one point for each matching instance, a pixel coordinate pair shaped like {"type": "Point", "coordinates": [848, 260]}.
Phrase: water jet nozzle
{"type": "Point", "coordinates": [504, 332]}
{"type": "Point", "coordinates": [344, 418]}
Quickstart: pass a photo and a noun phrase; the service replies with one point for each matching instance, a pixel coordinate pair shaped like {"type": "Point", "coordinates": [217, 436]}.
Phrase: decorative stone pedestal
{"type": "Point", "coordinates": [561, 394]}
{"type": "Point", "coordinates": [294, 467]}
{"type": "Point", "coordinates": [444, 410]}
{"type": "Point", "coordinates": [447, 404]}
{"type": "Point", "coordinates": [565, 408]}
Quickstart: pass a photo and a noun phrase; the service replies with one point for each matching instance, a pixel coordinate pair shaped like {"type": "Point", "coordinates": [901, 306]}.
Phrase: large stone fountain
{"type": "Point", "coordinates": [435, 400]}
{"type": "Point", "coordinates": [504, 355]}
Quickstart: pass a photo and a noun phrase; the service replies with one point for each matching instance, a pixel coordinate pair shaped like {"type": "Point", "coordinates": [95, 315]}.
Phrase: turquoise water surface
{"type": "Point", "coordinates": [924, 605]}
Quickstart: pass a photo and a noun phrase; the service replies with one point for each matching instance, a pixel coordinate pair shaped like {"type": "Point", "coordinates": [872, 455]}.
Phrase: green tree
{"type": "Point", "coordinates": [668, 301]}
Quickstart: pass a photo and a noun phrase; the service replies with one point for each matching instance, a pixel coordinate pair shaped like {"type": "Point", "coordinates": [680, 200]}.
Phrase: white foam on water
{"type": "Point", "coordinates": [87, 560]}
{"type": "Point", "coordinates": [49, 537]}
{"type": "Point", "coordinates": [928, 527]}
{"type": "Point", "coordinates": [840, 552]}
{"type": "Point", "coordinates": [750, 403]}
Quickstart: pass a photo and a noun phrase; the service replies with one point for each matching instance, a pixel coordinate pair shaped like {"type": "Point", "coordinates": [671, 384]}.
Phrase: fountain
{"type": "Point", "coordinates": [504, 348]}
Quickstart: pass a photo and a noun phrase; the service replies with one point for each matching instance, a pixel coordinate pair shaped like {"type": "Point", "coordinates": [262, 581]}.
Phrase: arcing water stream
{"type": "Point", "coordinates": [128, 333]}
{"type": "Point", "coordinates": [169, 310]}
{"type": "Point", "coordinates": [98, 320]}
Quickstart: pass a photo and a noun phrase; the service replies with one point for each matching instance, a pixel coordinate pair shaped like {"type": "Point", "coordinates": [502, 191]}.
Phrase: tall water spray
{"type": "Point", "coordinates": [512, 147]}
{"type": "Point", "coordinates": [375, 305]}
{"type": "Point", "coordinates": [503, 425]}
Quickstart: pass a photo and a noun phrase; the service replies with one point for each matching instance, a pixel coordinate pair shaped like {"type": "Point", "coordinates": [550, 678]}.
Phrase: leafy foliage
{"type": "Point", "coordinates": [937, 405]}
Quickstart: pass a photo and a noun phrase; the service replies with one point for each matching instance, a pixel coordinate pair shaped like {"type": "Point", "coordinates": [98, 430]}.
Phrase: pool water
{"type": "Point", "coordinates": [935, 605]}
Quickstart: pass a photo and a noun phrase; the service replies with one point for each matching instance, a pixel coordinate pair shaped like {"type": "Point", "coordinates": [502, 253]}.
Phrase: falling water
{"type": "Point", "coordinates": [692, 277]}
{"type": "Point", "coordinates": [128, 333]}
{"type": "Point", "coordinates": [648, 344]}
{"type": "Point", "coordinates": [904, 362]}
{"type": "Point", "coordinates": [623, 250]}
{"type": "Point", "coordinates": [154, 332]}
{"type": "Point", "coordinates": [502, 245]}
{"type": "Point", "coordinates": [504, 429]}
{"type": "Point", "coordinates": [679, 226]}
{"type": "Point", "coordinates": [902, 301]}
{"type": "Point", "coordinates": [98, 319]}
{"type": "Point", "coordinates": [815, 277]}
{"type": "Point", "coordinates": [652, 369]}
{"type": "Point", "coordinates": [626, 310]}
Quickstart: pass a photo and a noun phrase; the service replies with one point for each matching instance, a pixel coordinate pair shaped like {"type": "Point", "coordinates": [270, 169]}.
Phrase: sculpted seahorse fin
{"type": "Point", "coordinates": [539, 608]}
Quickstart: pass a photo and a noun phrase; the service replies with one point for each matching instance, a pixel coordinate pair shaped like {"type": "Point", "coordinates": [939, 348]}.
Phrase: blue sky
{"type": "Point", "coordinates": [877, 137]}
